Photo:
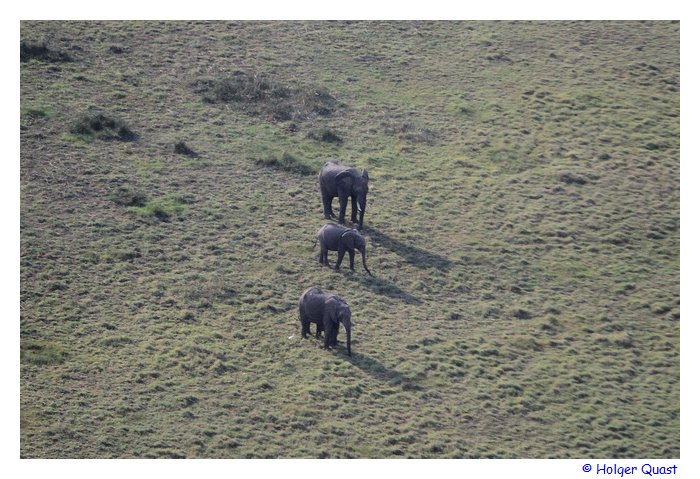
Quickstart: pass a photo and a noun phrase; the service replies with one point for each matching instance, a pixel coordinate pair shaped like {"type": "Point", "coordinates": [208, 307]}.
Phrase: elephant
{"type": "Point", "coordinates": [338, 238]}
{"type": "Point", "coordinates": [337, 180]}
{"type": "Point", "coordinates": [327, 311]}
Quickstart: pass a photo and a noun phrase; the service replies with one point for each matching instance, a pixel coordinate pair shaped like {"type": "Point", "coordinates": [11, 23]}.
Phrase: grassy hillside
{"type": "Point", "coordinates": [523, 228]}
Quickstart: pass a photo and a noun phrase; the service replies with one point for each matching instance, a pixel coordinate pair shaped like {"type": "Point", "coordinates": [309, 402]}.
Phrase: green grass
{"type": "Point", "coordinates": [522, 226]}
{"type": "Point", "coordinates": [38, 112]}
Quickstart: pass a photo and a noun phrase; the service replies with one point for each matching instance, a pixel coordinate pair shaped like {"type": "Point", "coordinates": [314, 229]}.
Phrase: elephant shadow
{"type": "Point", "coordinates": [415, 256]}
{"type": "Point", "coordinates": [381, 286]}
{"type": "Point", "coordinates": [380, 372]}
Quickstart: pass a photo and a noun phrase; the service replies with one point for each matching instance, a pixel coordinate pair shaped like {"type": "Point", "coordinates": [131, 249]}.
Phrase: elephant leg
{"type": "Point", "coordinates": [322, 255]}
{"type": "Point", "coordinates": [351, 253]}
{"type": "Point", "coordinates": [341, 254]}
{"type": "Point", "coordinates": [303, 320]}
{"type": "Point", "coordinates": [328, 333]}
{"type": "Point", "coordinates": [327, 208]}
{"type": "Point", "coordinates": [334, 335]}
{"type": "Point", "coordinates": [319, 330]}
{"type": "Point", "coordinates": [353, 209]}
{"type": "Point", "coordinates": [343, 200]}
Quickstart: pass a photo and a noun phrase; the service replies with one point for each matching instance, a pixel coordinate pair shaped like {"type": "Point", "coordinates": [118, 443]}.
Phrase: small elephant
{"type": "Point", "coordinates": [327, 312]}
{"type": "Point", "coordinates": [338, 238]}
{"type": "Point", "coordinates": [337, 180]}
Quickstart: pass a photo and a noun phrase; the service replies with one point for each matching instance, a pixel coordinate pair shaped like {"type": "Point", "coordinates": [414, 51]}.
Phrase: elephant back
{"type": "Point", "coordinates": [312, 293]}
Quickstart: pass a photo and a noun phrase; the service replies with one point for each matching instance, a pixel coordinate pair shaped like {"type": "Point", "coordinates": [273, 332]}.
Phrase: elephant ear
{"type": "Point", "coordinates": [344, 181]}
{"type": "Point", "coordinates": [365, 175]}
{"type": "Point", "coordinates": [356, 239]}
{"type": "Point", "coordinates": [334, 303]}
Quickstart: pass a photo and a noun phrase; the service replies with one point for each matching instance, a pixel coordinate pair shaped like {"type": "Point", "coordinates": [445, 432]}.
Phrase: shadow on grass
{"type": "Point", "coordinates": [380, 372]}
{"type": "Point", "coordinates": [415, 256]}
{"type": "Point", "coordinates": [379, 286]}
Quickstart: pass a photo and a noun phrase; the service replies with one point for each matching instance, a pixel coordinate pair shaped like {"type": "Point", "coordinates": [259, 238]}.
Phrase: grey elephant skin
{"type": "Point", "coordinates": [328, 312]}
{"type": "Point", "coordinates": [336, 180]}
{"type": "Point", "coordinates": [333, 237]}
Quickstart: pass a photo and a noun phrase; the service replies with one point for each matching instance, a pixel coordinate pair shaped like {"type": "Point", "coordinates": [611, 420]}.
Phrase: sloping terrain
{"type": "Point", "coordinates": [522, 224]}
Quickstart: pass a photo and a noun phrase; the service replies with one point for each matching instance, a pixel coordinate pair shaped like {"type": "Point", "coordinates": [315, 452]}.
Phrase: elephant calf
{"type": "Point", "coordinates": [338, 238]}
{"type": "Point", "coordinates": [327, 312]}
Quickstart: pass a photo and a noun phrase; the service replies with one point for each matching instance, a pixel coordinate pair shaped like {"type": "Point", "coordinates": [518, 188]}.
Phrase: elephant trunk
{"type": "Point", "coordinates": [364, 261]}
{"type": "Point", "coordinates": [361, 206]}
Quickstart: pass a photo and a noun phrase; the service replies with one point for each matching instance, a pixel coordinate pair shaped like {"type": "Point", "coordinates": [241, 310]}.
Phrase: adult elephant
{"type": "Point", "coordinates": [338, 238]}
{"type": "Point", "coordinates": [328, 312]}
{"type": "Point", "coordinates": [337, 180]}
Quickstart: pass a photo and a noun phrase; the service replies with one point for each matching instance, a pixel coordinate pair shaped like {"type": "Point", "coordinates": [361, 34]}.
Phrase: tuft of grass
{"type": "Point", "coordinates": [325, 135]}
{"type": "Point", "coordinates": [411, 133]}
{"type": "Point", "coordinates": [118, 49]}
{"type": "Point", "coordinates": [39, 51]}
{"type": "Point", "coordinates": [571, 178]}
{"type": "Point", "coordinates": [286, 162]}
{"type": "Point", "coordinates": [163, 208]}
{"type": "Point", "coordinates": [260, 95]}
{"type": "Point", "coordinates": [125, 196]}
{"type": "Point", "coordinates": [103, 127]}
{"type": "Point", "coordinates": [116, 341]}
{"type": "Point", "coordinates": [122, 254]}
{"type": "Point", "coordinates": [181, 148]}
{"type": "Point", "coordinates": [42, 353]}
{"type": "Point", "coordinates": [461, 109]}
{"type": "Point", "coordinates": [38, 112]}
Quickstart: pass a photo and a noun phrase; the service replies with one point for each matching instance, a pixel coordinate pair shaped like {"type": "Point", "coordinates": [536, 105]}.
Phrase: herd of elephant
{"type": "Point", "coordinates": [315, 306]}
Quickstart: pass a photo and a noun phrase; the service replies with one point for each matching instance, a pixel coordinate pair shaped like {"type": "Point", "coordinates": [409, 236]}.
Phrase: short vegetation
{"type": "Point", "coordinates": [522, 227]}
